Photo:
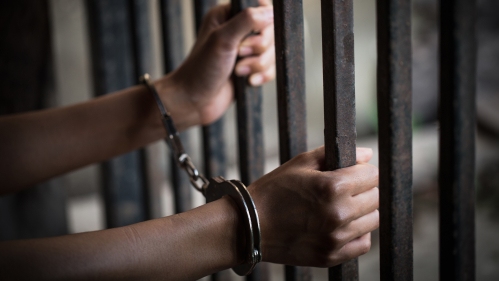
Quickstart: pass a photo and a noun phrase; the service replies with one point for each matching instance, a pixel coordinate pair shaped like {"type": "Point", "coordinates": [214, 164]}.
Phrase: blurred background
{"type": "Point", "coordinates": [70, 51]}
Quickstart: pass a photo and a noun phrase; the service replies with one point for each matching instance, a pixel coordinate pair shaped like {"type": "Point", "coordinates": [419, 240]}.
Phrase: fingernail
{"type": "Point", "coordinates": [243, 70]}
{"type": "Point", "coordinates": [245, 51]}
{"type": "Point", "coordinates": [256, 79]}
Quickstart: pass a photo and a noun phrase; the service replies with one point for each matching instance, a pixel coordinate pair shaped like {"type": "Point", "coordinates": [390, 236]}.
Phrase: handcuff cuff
{"type": "Point", "coordinates": [215, 188]}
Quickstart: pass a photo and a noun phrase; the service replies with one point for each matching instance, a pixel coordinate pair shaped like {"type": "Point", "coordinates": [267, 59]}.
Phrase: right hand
{"type": "Point", "coordinates": [310, 217]}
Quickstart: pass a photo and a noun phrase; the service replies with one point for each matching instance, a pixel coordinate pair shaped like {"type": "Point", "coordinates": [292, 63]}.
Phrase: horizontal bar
{"type": "Point", "coordinates": [339, 99]}
{"type": "Point", "coordinates": [394, 90]}
{"type": "Point", "coordinates": [457, 139]}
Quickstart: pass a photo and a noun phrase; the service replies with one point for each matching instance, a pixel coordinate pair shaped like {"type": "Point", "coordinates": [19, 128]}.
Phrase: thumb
{"type": "Point", "coordinates": [247, 21]}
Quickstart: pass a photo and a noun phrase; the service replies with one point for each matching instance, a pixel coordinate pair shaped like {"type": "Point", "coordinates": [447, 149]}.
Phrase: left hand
{"type": "Point", "coordinates": [202, 86]}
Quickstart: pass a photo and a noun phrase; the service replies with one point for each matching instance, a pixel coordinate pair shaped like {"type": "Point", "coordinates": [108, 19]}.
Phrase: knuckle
{"type": "Point", "coordinates": [338, 217]}
{"type": "Point", "coordinates": [248, 14]}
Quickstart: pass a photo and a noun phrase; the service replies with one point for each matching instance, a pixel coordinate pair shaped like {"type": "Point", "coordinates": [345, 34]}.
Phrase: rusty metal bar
{"type": "Point", "coordinates": [213, 135]}
{"type": "Point", "coordinates": [214, 148]}
{"type": "Point", "coordinates": [339, 99]}
{"type": "Point", "coordinates": [395, 138]}
{"type": "Point", "coordinates": [173, 54]}
{"type": "Point", "coordinates": [457, 139]}
{"type": "Point", "coordinates": [113, 63]}
{"type": "Point", "coordinates": [290, 67]}
{"type": "Point", "coordinates": [143, 62]}
{"type": "Point", "coordinates": [26, 84]}
{"type": "Point", "coordinates": [250, 131]}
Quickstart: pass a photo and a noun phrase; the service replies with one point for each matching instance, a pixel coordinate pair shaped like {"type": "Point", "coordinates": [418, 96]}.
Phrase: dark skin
{"type": "Point", "coordinates": [308, 217]}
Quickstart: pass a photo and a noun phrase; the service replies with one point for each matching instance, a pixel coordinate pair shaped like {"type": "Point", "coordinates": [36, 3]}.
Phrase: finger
{"type": "Point", "coordinates": [247, 21]}
{"type": "Point", "coordinates": [354, 248]}
{"type": "Point", "coordinates": [257, 44]}
{"type": "Point", "coordinates": [261, 78]}
{"type": "Point", "coordinates": [355, 179]}
{"type": "Point", "coordinates": [265, 2]}
{"type": "Point", "coordinates": [360, 226]}
{"type": "Point", "coordinates": [364, 154]}
{"type": "Point", "coordinates": [256, 64]}
{"type": "Point", "coordinates": [365, 202]}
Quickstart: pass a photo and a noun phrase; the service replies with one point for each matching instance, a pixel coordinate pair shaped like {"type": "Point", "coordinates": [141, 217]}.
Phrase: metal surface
{"type": "Point", "coordinates": [113, 63]}
{"type": "Point", "coordinates": [143, 62]}
{"type": "Point", "coordinates": [220, 187]}
{"type": "Point", "coordinates": [339, 99]}
{"type": "Point", "coordinates": [214, 146]}
{"type": "Point", "coordinates": [26, 84]}
{"type": "Point", "coordinates": [290, 67]}
{"type": "Point", "coordinates": [173, 54]}
{"type": "Point", "coordinates": [457, 139]}
{"type": "Point", "coordinates": [250, 131]}
{"type": "Point", "coordinates": [395, 138]}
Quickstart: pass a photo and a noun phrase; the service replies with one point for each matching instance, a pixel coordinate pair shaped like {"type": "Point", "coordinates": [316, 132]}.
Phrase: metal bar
{"type": "Point", "coordinates": [113, 64]}
{"type": "Point", "coordinates": [173, 53]}
{"type": "Point", "coordinates": [214, 148]}
{"type": "Point", "coordinates": [143, 61]}
{"type": "Point", "coordinates": [290, 67]}
{"type": "Point", "coordinates": [250, 131]}
{"type": "Point", "coordinates": [26, 85]}
{"type": "Point", "coordinates": [457, 139]}
{"type": "Point", "coordinates": [394, 89]}
{"type": "Point", "coordinates": [339, 99]}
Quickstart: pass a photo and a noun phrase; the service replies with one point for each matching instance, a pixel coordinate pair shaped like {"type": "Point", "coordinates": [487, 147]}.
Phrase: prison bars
{"type": "Point", "coordinates": [457, 109]}
{"type": "Point", "coordinates": [114, 69]}
{"type": "Point", "coordinates": [457, 139]}
{"type": "Point", "coordinates": [339, 99]}
{"type": "Point", "coordinates": [394, 90]}
{"type": "Point", "coordinates": [173, 53]}
{"type": "Point", "coordinates": [290, 71]}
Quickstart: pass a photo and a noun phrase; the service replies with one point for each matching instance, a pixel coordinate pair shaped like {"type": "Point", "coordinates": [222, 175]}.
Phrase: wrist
{"type": "Point", "coordinates": [176, 101]}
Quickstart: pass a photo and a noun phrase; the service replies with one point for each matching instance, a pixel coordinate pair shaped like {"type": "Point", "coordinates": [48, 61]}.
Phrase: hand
{"type": "Point", "coordinates": [313, 218]}
{"type": "Point", "coordinates": [203, 89]}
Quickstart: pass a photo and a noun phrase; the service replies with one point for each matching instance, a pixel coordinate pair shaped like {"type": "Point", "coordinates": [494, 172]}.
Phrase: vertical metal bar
{"type": "Point", "coordinates": [339, 99]}
{"type": "Point", "coordinates": [173, 53]}
{"type": "Point", "coordinates": [395, 138]}
{"type": "Point", "coordinates": [290, 66]}
{"type": "Point", "coordinates": [143, 61]}
{"type": "Point", "coordinates": [26, 84]}
{"type": "Point", "coordinates": [114, 70]}
{"type": "Point", "coordinates": [214, 149]}
{"type": "Point", "coordinates": [250, 131]}
{"type": "Point", "coordinates": [457, 139]}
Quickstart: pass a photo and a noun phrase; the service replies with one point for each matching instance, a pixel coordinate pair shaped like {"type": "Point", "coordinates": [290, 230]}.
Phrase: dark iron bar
{"type": "Point", "coordinates": [113, 64]}
{"type": "Point", "coordinates": [250, 131]}
{"type": "Point", "coordinates": [339, 99]}
{"type": "Point", "coordinates": [290, 67]}
{"type": "Point", "coordinates": [143, 62]}
{"type": "Point", "coordinates": [26, 84]}
{"type": "Point", "coordinates": [457, 139]}
{"type": "Point", "coordinates": [173, 53]}
{"type": "Point", "coordinates": [213, 135]}
{"type": "Point", "coordinates": [395, 138]}
{"type": "Point", "coordinates": [214, 148]}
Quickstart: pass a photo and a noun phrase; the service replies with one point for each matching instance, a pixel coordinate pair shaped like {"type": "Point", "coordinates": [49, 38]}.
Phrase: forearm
{"type": "Point", "coordinates": [187, 246]}
{"type": "Point", "coordinates": [39, 145]}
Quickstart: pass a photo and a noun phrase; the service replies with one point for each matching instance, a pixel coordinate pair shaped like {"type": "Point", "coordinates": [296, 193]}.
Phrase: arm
{"type": "Point", "coordinates": [307, 218]}
{"type": "Point", "coordinates": [39, 145]}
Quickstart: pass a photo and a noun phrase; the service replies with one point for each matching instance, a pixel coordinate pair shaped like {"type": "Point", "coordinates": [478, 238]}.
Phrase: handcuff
{"type": "Point", "coordinates": [215, 188]}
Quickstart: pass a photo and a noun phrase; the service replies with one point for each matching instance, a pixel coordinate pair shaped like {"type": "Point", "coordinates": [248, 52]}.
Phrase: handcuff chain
{"type": "Point", "coordinates": [174, 142]}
